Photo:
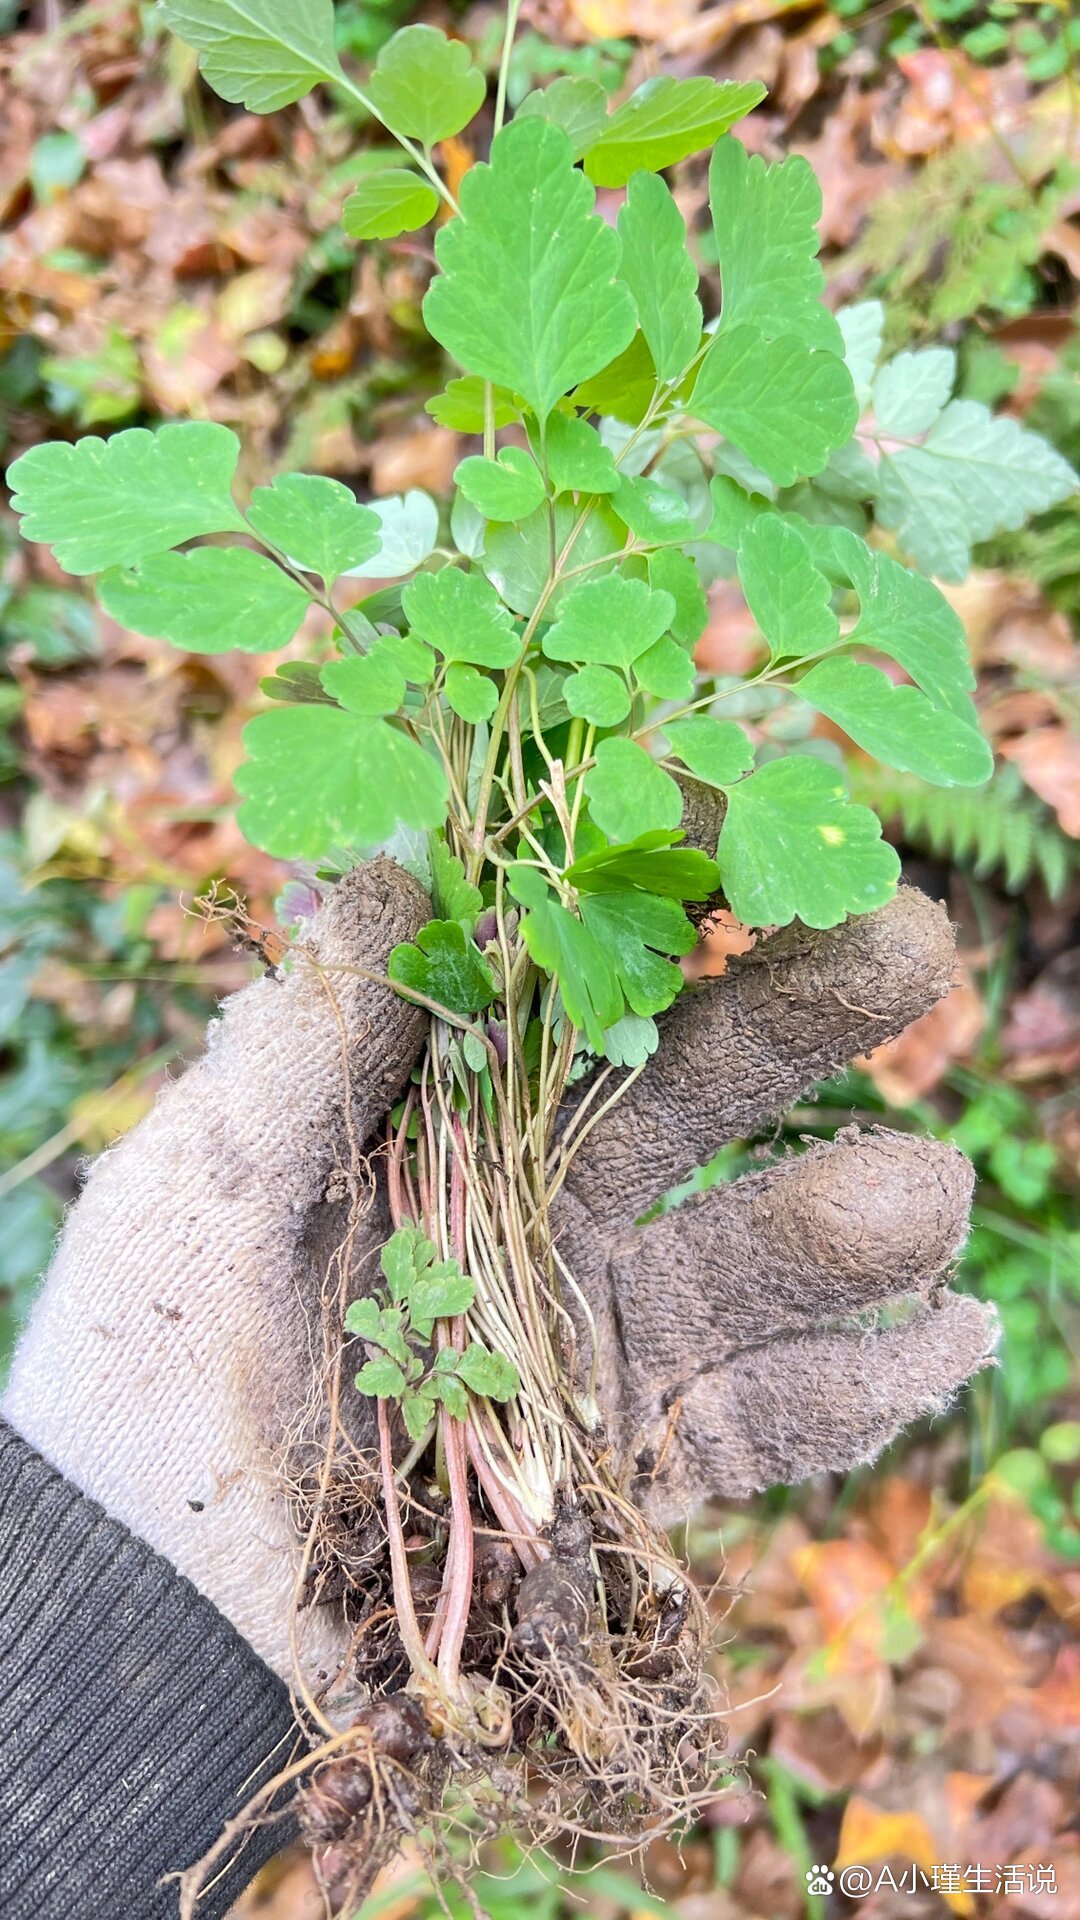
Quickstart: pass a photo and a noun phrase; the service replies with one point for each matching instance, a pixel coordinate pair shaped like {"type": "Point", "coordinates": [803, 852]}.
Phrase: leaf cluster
{"type": "Point", "coordinates": [423, 1291]}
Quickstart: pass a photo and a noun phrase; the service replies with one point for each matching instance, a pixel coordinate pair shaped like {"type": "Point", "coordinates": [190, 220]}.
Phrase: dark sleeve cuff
{"type": "Point", "coordinates": [134, 1720]}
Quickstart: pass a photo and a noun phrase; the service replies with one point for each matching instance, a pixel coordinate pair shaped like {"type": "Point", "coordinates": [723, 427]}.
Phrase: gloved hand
{"type": "Point", "coordinates": [176, 1342]}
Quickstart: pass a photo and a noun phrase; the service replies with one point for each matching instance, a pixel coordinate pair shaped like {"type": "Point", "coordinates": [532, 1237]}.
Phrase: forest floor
{"type": "Point", "coordinates": [898, 1648]}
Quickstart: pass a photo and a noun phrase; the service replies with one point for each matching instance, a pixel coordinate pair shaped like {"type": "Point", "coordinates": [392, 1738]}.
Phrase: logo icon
{"type": "Point", "coordinates": [819, 1879]}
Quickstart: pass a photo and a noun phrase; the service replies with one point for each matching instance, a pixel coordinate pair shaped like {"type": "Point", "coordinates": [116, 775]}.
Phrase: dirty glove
{"type": "Point", "coordinates": [180, 1330]}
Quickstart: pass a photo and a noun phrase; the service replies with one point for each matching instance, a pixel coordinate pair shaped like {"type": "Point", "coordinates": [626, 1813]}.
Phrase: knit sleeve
{"type": "Point", "coordinates": [134, 1720]}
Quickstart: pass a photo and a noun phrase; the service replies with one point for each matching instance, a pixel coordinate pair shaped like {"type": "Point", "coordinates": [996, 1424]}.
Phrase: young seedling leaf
{"type": "Point", "coordinates": [438, 1294]}
{"type": "Point", "coordinates": [382, 1379]}
{"type": "Point", "coordinates": [598, 695]}
{"type": "Point", "coordinates": [263, 54]}
{"type": "Point", "coordinates": [664, 121]}
{"type": "Point", "coordinates": [473, 695]}
{"type": "Point", "coordinates": [784, 406]}
{"type": "Point", "coordinates": [317, 777]}
{"type": "Point", "coordinates": [566, 950]}
{"type": "Point", "coordinates": [650, 864]}
{"type": "Point", "coordinates": [445, 965]}
{"type": "Point", "coordinates": [507, 488]}
{"type": "Point", "coordinates": [898, 724]}
{"type": "Point", "coordinates": [793, 846]}
{"type": "Point", "coordinates": [491, 1375]}
{"type": "Point", "coordinates": [608, 622]}
{"type": "Point", "coordinates": [316, 523]}
{"type": "Point", "coordinates": [390, 201]}
{"type": "Point", "coordinates": [628, 793]}
{"type": "Point", "coordinates": [462, 617]}
{"type": "Point", "coordinates": [657, 268]}
{"type": "Point", "coordinates": [372, 683]}
{"type": "Point", "coordinates": [788, 597]}
{"type": "Point", "coordinates": [418, 1410]}
{"type": "Point", "coordinates": [407, 1253]}
{"type": "Point", "coordinates": [425, 86]}
{"type": "Point", "coordinates": [717, 751]}
{"type": "Point", "coordinates": [208, 600]}
{"type": "Point", "coordinates": [577, 105]}
{"type": "Point", "coordinates": [910, 391]}
{"type": "Point", "coordinates": [108, 503]}
{"type": "Point", "coordinates": [632, 1040]}
{"type": "Point", "coordinates": [578, 461]}
{"type": "Point", "coordinates": [527, 295]}
{"type": "Point", "coordinates": [380, 1326]}
{"type": "Point", "coordinates": [765, 221]}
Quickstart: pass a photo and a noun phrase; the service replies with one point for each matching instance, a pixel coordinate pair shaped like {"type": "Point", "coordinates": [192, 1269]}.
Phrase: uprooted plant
{"type": "Point", "coordinates": [520, 722]}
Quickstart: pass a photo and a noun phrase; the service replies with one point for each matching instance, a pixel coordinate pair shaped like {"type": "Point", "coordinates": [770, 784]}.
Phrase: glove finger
{"type": "Point", "coordinates": [821, 1235]}
{"type": "Point", "coordinates": [736, 1051]}
{"type": "Point", "coordinates": [810, 1403]}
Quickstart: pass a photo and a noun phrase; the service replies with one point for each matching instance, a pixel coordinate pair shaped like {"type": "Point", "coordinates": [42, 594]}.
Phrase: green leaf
{"type": "Point", "coordinates": [792, 845]}
{"type": "Point", "coordinates": [567, 951]}
{"type": "Point", "coordinates": [632, 1040]}
{"type": "Point", "coordinates": [665, 120]}
{"type": "Point", "coordinates": [788, 597]}
{"type": "Point", "coordinates": [455, 897]}
{"type": "Point", "coordinates": [461, 405]}
{"type": "Point", "coordinates": [390, 201]}
{"type": "Point", "coordinates": [765, 220]}
{"type": "Point", "coordinates": [733, 510]}
{"type": "Point", "coordinates": [782, 405]}
{"type": "Point", "coordinates": [655, 515]}
{"type": "Point", "coordinates": [862, 326]}
{"type": "Point", "coordinates": [380, 1326]}
{"type": "Point", "coordinates": [107, 503]}
{"type": "Point", "coordinates": [527, 295]}
{"type": "Point", "coordinates": [629, 794]}
{"type": "Point", "coordinates": [577, 105]}
{"type": "Point", "coordinates": [491, 1375]}
{"type": "Point", "coordinates": [506, 488]}
{"type": "Point", "coordinates": [626, 388]}
{"type": "Point", "coordinates": [438, 1294]}
{"type": "Point", "coordinates": [577, 459]}
{"type": "Point", "coordinates": [445, 965]}
{"type": "Point", "coordinates": [315, 522]}
{"type": "Point", "coordinates": [608, 622]}
{"type": "Point", "coordinates": [370, 684]}
{"type": "Point", "coordinates": [297, 682]}
{"type": "Point", "coordinates": [517, 557]}
{"type": "Point", "coordinates": [657, 268]}
{"type": "Point", "coordinates": [418, 1412]}
{"type": "Point", "coordinates": [382, 1379]}
{"type": "Point", "coordinates": [208, 601]}
{"type": "Point", "coordinates": [409, 655]}
{"type": "Point", "coordinates": [666, 671]}
{"type": "Point", "coordinates": [973, 476]}
{"type": "Point", "coordinates": [650, 864]}
{"type": "Point", "coordinates": [898, 724]}
{"type": "Point", "coordinates": [263, 54]}
{"type": "Point", "coordinates": [425, 86]}
{"type": "Point", "coordinates": [637, 931]}
{"type": "Point", "coordinates": [597, 695]}
{"type": "Point", "coordinates": [363, 1317]}
{"type": "Point", "coordinates": [406, 1254]}
{"type": "Point", "coordinates": [408, 533]}
{"type": "Point", "coordinates": [717, 751]}
{"type": "Point", "coordinates": [676, 573]}
{"type": "Point", "coordinates": [905, 616]}
{"type": "Point", "coordinates": [471, 694]}
{"type": "Point", "coordinates": [911, 390]}
{"type": "Point", "coordinates": [461, 615]}
{"type": "Point", "coordinates": [317, 777]}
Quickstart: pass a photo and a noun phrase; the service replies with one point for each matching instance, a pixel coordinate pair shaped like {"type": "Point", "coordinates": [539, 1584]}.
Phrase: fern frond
{"type": "Point", "coordinates": [998, 829]}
